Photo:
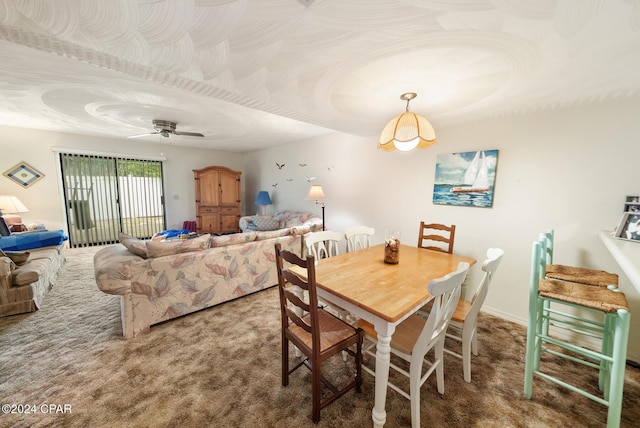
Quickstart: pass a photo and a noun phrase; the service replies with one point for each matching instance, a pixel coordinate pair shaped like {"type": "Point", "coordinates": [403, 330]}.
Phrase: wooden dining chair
{"type": "Point", "coordinates": [416, 336]}
{"type": "Point", "coordinates": [442, 235]}
{"type": "Point", "coordinates": [463, 327]}
{"type": "Point", "coordinates": [358, 237]}
{"type": "Point", "coordinates": [318, 334]}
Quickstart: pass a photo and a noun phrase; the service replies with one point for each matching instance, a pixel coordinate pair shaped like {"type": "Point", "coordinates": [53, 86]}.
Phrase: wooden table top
{"type": "Point", "coordinates": [387, 291]}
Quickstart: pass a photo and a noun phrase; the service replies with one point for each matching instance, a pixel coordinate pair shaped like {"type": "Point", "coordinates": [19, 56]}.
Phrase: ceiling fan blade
{"type": "Point", "coordinates": [142, 135]}
{"type": "Point", "coordinates": [189, 134]}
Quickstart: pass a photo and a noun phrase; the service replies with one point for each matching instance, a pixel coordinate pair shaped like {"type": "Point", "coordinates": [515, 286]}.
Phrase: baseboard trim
{"type": "Point", "coordinates": [632, 360]}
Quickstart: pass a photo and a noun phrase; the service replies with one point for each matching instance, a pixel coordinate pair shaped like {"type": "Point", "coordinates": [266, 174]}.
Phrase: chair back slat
{"type": "Point", "coordinates": [298, 321]}
{"type": "Point", "coordinates": [294, 279]}
{"type": "Point", "coordinates": [443, 233]}
{"type": "Point", "coordinates": [295, 300]}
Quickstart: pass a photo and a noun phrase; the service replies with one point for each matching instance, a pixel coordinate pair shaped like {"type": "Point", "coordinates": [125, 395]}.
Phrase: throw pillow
{"type": "Point", "coordinates": [167, 248]}
{"type": "Point", "coordinates": [260, 223]}
{"type": "Point", "coordinates": [134, 245]}
{"type": "Point", "coordinates": [18, 257]}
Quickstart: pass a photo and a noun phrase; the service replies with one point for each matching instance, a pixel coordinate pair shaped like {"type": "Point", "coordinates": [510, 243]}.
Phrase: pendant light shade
{"type": "Point", "coordinates": [407, 131]}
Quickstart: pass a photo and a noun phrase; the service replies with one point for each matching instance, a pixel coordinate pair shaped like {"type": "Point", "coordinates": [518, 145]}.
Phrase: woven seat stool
{"type": "Point", "coordinates": [580, 275]}
{"type": "Point", "coordinates": [608, 322]}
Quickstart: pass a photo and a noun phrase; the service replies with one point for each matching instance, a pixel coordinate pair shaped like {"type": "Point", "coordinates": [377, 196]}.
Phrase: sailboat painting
{"type": "Point", "coordinates": [465, 179]}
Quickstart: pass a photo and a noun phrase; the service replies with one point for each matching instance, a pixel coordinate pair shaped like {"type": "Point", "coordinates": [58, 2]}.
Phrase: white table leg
{"type": "Point", "coordinates": [383, 357]}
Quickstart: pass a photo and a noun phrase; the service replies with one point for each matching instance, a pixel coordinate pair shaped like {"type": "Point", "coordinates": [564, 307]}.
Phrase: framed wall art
{"type": "Point", "coordinates": [465, 179]}
{"type": "Point", "coordinates": [23, 174]}
{"type": "Point", "coordinates": [629, 227]}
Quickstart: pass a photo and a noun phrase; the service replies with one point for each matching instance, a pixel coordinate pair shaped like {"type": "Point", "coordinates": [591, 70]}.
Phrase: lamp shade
{"type": "Point", "coordinates": [407, 131]}
{"type": "Point", "coordinates": [11, 205]}
{"type": "Point", "coordinates": [316, 192]}
{"type": "Point", "coordinates": [263, 198]}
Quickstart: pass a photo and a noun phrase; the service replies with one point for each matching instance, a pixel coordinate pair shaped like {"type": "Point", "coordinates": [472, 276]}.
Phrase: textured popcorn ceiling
{"type": "Point", "coordinates": [250, 74]}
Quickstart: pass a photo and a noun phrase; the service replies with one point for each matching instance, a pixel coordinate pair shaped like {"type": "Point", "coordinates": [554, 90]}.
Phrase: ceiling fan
{"type": "Point", "coordinates": [165, 128]}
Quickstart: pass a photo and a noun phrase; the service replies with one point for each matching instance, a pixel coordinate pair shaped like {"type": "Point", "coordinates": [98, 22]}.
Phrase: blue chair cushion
{"type": "Point", "coordinates": [30, 240]}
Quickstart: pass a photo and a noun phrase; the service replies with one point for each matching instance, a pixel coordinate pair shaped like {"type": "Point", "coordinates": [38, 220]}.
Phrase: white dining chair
{"type": "Point", "coordinates": [463, 327]}
{"type": "Point", "coordinates": [322, 245]}
{"type": "Point", "coordinates": [358, 237]}
{"type": "Point", "coordinates": [416, 336]}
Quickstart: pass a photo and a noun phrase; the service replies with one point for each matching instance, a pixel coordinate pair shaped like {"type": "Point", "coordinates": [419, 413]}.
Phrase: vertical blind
{"type": "Point", "coordinates": [107, 195]}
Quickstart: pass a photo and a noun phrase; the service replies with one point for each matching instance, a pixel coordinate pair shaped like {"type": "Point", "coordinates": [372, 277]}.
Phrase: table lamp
{"type": "Point", "coordinates": [263, 200]}
{"type": "Point", "coordinates": [11, 205]}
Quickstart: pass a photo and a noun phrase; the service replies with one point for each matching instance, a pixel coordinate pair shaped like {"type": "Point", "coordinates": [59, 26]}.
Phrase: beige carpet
{"type": "Point", "coordinates": [221, 368]}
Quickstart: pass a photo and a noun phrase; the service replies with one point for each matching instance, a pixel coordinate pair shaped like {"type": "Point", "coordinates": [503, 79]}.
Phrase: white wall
{"type": "Point", "coordinates": [45, 200]}
{"type": "Point", "coordinates": [567, 169]}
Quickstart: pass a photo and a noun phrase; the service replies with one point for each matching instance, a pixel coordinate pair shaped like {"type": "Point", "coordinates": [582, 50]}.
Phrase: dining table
{"type": "Point", "coordinates": [382, 294]}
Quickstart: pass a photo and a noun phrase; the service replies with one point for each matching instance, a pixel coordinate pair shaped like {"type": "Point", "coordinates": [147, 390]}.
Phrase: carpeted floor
{"type": "Point", "coordinates": [221, 368]}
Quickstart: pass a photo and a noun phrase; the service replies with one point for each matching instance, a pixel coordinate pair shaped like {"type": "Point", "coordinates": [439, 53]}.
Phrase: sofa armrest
{"type": "Point", "coordinates": [244, 223]}
{"type": "Point", "coordinates": [111, 267]}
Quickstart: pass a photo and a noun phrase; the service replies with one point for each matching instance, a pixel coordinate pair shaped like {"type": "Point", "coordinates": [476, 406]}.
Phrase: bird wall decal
{"type": "Point", "coordinates": [309, 179]}
{"type": "Point", "coordinates": [279, 166]}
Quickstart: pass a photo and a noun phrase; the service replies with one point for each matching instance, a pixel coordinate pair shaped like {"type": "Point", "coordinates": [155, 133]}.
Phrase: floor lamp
{"type": "Point", "coordinates": [316, 193]}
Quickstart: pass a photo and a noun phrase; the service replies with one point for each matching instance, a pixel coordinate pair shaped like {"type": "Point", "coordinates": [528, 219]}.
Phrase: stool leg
{"type": "Point", "coordinates": [604, 377]}
{"type": "Point", "coordinates": [532, 353]}
{"type": "Point", "coordinates": [617, 369]}
{"type": "Point", "coordinates": [532, 356]}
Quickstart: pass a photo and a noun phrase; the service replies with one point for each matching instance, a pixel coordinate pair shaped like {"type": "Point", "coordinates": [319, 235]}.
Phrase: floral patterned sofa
{"type": "Point", "coordinates": [159, 280]}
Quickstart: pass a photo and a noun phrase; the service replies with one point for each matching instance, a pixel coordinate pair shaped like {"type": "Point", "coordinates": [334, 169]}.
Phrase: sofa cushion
{"type": "Point", "coordinates": [134, 245]}
{"type": "Point", "coordinates": [259, 222]}
{"type": "Point", "coordinates": [167, 248]}
{"type": "Point", "coordinates": [232, 239]}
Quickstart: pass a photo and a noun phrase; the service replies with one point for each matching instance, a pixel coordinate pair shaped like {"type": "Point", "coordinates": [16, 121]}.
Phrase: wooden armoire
{"type": "Point", "coordinates": [217, 199]}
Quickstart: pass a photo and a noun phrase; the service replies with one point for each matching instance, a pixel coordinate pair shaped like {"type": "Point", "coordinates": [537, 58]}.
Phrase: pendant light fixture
{"type": "Point", "coordinates": [407, 131]}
